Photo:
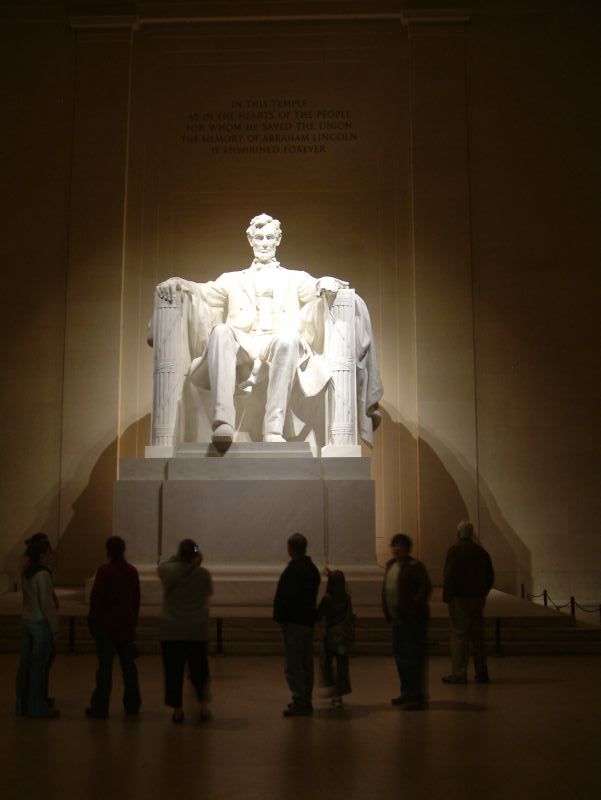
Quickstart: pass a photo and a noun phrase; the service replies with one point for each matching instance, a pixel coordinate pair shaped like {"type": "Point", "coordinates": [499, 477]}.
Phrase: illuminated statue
{"type": "Point", "coordinates": [268, 324]}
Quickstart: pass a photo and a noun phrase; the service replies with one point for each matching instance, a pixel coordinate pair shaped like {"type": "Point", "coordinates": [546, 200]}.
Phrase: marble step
{"type": "Point", "coordinates": [260, 635]}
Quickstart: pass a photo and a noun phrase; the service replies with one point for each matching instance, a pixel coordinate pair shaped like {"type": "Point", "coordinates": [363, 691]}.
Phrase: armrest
{"type": "Point", "coordinates": [166, 335]}
{"type": "Point", "coordinates": [339, 352]}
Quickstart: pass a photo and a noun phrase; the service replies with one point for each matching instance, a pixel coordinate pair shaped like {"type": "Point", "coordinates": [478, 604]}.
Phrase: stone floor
{"type": "Point", "coordinates": [533, 733]}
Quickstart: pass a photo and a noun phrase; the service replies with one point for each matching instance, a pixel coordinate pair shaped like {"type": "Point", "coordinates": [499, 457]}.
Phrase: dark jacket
{"type": "Point", "coordinates": [296, 593]}
{"type": "Point", "coordinates": [334, 611]}
{"type": "Point", "coordinates": [414, 589]}
{"type": "Point", "coordinates": [115, 601]}
{"type": "Point", "coordinates": [468, 571]}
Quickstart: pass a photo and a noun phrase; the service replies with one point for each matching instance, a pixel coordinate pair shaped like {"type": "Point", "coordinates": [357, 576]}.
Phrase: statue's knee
{"type": "Point", "coordinates": [287, 340]}
{"type": "Point", "coordinates": [221, 331]}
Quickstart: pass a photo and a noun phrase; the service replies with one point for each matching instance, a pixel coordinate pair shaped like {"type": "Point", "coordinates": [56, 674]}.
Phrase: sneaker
{"type": "Point", "coordinates": [400, 700]}
{"type": "Point", "coordinates": [454, 679]}
{"type": "Point", "coordinates": [297, 711]}
{"type": "Point", "coordinates": [294, 705]}
{"type": "Point", "coordinates": [336, 701]}
{"type": "Point", "coordinates": [177, 719]}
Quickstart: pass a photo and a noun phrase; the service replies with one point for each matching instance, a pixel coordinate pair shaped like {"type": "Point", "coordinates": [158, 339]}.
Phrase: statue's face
{"type": "Point", "coordinates": [264, 242]}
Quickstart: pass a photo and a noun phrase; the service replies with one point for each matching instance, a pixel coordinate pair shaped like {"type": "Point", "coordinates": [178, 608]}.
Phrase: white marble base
{"type": "Point", "coordinates": [341, 451]}
{"type": "Point", "coordinates": [244, 450]}
{"type": "Point", "coordinates": [255, 584]}
{"type": "Point", "coordinates": [241, 509]}
{"type": "Point", "coordinates": [158, 451]}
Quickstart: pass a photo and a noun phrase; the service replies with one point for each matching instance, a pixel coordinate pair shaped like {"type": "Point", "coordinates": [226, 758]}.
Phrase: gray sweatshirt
{"type": "Point", "coordinates": [185, 610]}
{"type": "Point", "coordinates": [38, 602]}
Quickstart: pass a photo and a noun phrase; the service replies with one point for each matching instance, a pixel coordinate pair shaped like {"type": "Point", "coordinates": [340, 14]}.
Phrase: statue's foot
{"type": "Point", "coordinates": [223, 434]}
{"type": "Point", "coordinates": [273, 437]}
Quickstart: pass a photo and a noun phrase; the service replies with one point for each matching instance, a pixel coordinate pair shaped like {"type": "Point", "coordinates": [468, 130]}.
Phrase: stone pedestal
{"type": "Point", "coordinates": [241, 508]}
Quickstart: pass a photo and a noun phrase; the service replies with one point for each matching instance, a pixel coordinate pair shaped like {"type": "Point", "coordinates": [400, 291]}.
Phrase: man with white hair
{"type": "Point", "coordinates": [468, 578]}
{"type": "Point", "coordinates": [260, 323]}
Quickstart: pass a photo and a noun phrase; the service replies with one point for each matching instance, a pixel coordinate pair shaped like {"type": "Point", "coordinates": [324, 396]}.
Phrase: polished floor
{"type": "Point", "coordinates": [533, 733]}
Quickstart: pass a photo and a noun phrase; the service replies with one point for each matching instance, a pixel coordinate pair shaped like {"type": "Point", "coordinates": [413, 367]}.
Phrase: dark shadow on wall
{"type": "Point", "coordinates": [45, 520]}
{"type": "Point", "coordinates": [442, 506]}
{"type": "Point", "coordinates": [81, 546]}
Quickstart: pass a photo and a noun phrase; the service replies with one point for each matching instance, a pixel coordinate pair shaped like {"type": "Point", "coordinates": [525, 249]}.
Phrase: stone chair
{"type": "Point", "coordinates": [181, 412]}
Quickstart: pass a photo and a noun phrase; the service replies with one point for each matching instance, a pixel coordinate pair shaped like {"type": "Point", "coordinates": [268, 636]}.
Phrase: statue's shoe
{"type": "Point", "coordinates": [223, 434]}
{"type": "Point", "coordinates": [273, 437]}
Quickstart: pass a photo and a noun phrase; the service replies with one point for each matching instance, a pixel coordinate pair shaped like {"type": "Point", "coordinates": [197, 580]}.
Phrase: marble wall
{"type": "Point", "coordinates": [443, 162]}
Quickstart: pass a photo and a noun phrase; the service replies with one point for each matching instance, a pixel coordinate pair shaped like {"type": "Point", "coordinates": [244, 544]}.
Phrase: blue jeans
{"type": "Point", "coordinates": [409, 647]}
{"type": "Point", "coordinates": [36, 649]}
{"type": "Point", "coordinates": [298, 649]}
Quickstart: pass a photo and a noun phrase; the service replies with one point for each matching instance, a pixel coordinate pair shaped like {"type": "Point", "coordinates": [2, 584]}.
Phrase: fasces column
{"type": "Point", "coordinates": [446, 401]}
{"type": "Point", "coordinates": [341, 411]}
{"type": "Point", "coordinates": [94, 289]}
{"type": "Point", "coordinates": [168, 375]}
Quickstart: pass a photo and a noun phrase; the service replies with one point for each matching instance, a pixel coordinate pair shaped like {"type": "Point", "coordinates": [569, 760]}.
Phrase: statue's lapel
{"type": "Point", "coordinates": [279, 290]}
{"type": "Point", "coordinates": [247, 283]}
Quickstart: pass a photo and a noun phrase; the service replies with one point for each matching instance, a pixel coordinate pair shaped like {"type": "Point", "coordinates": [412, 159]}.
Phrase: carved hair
{"type": "Point", "coordinates": [261, 220]}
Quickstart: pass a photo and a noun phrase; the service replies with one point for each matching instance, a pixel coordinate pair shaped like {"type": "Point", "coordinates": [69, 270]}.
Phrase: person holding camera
{"type": "Point", "coordinates": [184, 627]}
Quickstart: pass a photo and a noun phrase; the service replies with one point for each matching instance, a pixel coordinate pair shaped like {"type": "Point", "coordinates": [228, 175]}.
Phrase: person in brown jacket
{"type": "Point", "coordinates": [405, 594]}
{"type": "Point", "coordinates": [468, 578]}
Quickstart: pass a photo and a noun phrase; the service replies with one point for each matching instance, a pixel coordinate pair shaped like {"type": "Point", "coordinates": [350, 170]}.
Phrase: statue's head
{"type": "Point", "coordinates": [264, 235]}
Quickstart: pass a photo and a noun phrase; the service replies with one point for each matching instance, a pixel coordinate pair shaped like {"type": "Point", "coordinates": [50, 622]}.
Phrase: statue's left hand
{"type": "Point", "coordinates": [332, 285]}
{"type": "Point", "coordinates": [167, 289]}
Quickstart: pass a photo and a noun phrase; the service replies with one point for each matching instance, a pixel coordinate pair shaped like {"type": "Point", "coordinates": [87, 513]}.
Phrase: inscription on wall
{"type": "Point", "coordinates": [270, 127]}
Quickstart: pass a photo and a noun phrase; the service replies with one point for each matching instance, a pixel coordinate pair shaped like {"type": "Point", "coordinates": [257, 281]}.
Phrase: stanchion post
{"type": "Point", "coordinates": [573, 606]}
{"type": "Point", "coordinates": [545, 598]}
{"type": "Point", "coordinates": [498, 636]}
{"type": "Point", "coordinates": [523, 592]}
{"type": "Point", "coordinates": [71, 634]}
{"type": "Point", "coordinates": [219, 636]}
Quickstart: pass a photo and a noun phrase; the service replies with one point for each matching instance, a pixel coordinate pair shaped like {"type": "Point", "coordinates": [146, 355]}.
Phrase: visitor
{"type": "Point", "coordinates": [39, 626]}
{"type": "Point", "coordinates": [294, 609]}
{"type": "Point", "coordinates": [184, 628]}
{"type": "Point", "coordinates": [43, 537]}
{"type": "Point", "coordinates": [405, 594]}
{"type": "Point", "coordinates": [337, 610]}
{"type": "Point", "coordinates": [468, 578]}
{"type": "Point", "coordinates": [112, 619]}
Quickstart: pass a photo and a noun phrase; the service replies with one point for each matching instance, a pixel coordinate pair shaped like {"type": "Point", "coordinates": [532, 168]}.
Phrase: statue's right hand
{"type": "Point", "coordinates": [166, 289]}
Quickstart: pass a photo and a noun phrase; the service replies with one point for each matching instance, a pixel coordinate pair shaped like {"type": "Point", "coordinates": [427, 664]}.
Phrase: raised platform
{"type": "Point", "coordinates": [513, 627]}
{"type": "Point", "coordinates": [241, 506]}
